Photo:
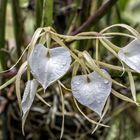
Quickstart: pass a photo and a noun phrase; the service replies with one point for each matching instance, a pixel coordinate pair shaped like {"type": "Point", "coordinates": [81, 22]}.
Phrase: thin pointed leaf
{"type": "Point", "coordinates": [42, 100]}
{"type": "Point", "coordinates": [63, 86]}
{"type": "Point", "coordinates": [132, 85]}
{"type": "Point", "coordinates": [17, 83]}
{"type": "Point", "coordinates": [93, 66]}
{"type": "Point", "coordinates": [34, 39]}
{"type": "Point", "coordinates": [8, 83]}
{"type": "Point", "coordinates": [63, 112]}
{"type": "Point", "coordinates": [104, 112]}
{"type": "Point", "coordinates": [114, 67]}
{"type": "Point", "coordinates": [113, 49]}
{"type": "Point", "coordinates": [129, 28]}
{"type": "Point", "coordinates": [90, 120]}
{"type": "Point", "coordinates": [30, 47]}
{"type": "Point", "coordinates": [122, 97]}
{"type": "Point", "coordinates": [75, 69]}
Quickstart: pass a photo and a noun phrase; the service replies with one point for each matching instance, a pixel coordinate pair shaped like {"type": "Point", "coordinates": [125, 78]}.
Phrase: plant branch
{"type": "Point", "coordinates": [96, 16]}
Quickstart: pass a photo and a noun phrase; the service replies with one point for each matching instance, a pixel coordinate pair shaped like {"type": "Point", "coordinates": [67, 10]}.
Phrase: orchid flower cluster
{"type": "Point", "coordinates": [48, 64]}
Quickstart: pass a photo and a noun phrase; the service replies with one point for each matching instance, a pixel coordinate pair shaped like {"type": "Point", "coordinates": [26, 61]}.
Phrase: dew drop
{"type": "Point", "coordinates": [35, 51]}
{"type": "Point", "coordinates": [106, 81]}
{"type": "Point", "coordinates": [61, 66]}
{"type": "Point", "coordinates": [99, 85]}
{"type": "Point", "coordinates": [64, 63]}
{"type": "Point", "coordinates": [98, 102]}
{"type": "Point", "coordinates": [77, 83]}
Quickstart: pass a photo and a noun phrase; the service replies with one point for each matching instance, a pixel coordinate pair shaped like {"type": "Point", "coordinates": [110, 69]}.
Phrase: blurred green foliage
{"type": "Point", "coordinates": [16, 29]}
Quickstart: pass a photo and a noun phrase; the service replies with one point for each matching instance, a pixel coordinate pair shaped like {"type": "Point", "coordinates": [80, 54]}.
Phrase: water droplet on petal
{"type": "Point", "coordinates": [64, 63]}
{"type": "Point", "coordinates": [35, 51]}
{"type": "Point", "coordinates": [77, 83]}
{"type": "Point", "coordinates": [98, 102]}
{"type": "Point", "coordinates": [106, 81]}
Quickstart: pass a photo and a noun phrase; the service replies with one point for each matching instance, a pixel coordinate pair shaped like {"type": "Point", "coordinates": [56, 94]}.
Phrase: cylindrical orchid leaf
{"type": "Point", "coordinates": [48, 65]}
{"type": "Point", "coordinates": [130, 54]}
{"type": "Point", "coordinates": [92, 90]}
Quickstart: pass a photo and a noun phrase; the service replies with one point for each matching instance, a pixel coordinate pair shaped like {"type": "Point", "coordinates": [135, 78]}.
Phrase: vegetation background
{"type": "Point", "coordinates": [18, 21]}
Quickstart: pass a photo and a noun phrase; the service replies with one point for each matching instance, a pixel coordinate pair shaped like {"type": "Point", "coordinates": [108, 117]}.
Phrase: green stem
{"type": "Point", "coordinates": [3, 4]}
{"type": "Point", "coordinates": [39, 12]}
{"type": "Point", "coordinates": [8, 83]}
{"type": "Point", "coordinates": [47, 13]}
{"type": "Point", "coordinates": [18, 25]}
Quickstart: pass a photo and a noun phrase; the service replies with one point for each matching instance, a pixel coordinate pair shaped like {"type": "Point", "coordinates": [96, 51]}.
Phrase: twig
{"type": "Point", "coordinates": [96, 16]}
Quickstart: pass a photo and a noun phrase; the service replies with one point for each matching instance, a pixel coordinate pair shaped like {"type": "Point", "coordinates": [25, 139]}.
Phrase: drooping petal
{"type": "Point", "coordinates": [48, 65]}
{"type": "Point", "coordinates": [92, 92]}
{"type": "Point", "coordinates": [28, 98]}
{"type": "Point", "coordinates": [130, 54]}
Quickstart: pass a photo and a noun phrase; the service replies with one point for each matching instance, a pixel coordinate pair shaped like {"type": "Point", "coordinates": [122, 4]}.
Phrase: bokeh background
{"type": "Point", "coordinates": [18, 21]}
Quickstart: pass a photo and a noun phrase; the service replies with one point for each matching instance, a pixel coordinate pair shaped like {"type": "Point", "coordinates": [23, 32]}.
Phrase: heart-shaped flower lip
{"type": "Point", "coordinates": [48, 65]}
{"type": "Point", "coordinates": [130, 54]}
{"type": "Point", "coordinates": [92, 91]}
